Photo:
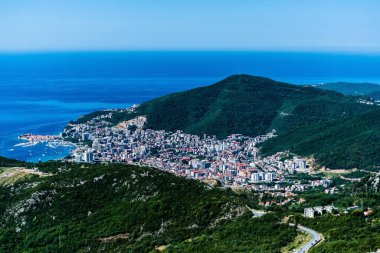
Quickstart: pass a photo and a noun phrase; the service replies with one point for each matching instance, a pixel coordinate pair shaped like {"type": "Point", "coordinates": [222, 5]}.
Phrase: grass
{"type": "Point", "coordinates": [9, 176]}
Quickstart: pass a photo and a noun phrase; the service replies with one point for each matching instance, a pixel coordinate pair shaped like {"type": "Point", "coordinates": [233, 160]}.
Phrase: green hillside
{"type": "Point", "coordinates": [120, 208]}
{"type": "Point", "coordinates": [346, 143]}
{"type": "Point", "coordinates": [243, 104]}
{"type": "Point", "coordinates": [310, 121]}
{"type": "Point", "coordinates": [356, 89]}
{"type": "Point", "coordinates": [374, 95]}
{"type": "Point", "coordinates": [247, 105]}
{"type": "Point", "coordinates": [7, 162]}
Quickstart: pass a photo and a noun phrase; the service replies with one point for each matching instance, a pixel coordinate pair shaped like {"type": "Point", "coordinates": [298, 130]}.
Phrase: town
{"type": "Point", "coordinates": [232, 162]}
{"type": "Point", "coordinates": [38, 138]}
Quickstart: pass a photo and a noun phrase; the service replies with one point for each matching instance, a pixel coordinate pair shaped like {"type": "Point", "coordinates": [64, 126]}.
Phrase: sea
{"type": "Point", "coordinates": [41, 92]}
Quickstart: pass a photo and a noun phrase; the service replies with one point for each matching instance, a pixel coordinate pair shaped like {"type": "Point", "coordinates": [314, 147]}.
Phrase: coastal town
{"type": "Point", "coordinates": [52, 141]}
{"type": "Point", "coordinates": [234, 162]}
{"type": "Point", "coordinates": [231, 162]}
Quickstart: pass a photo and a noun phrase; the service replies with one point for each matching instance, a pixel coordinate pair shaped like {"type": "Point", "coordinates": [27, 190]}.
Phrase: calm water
{"type": "Point", "coordinates": [40, 93]}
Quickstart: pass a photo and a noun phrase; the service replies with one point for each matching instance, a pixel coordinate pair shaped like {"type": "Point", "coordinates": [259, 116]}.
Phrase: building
{"type": "Point", "coordinates": [255, 177]}
{"type": "Point", "coordinates": [309, 212]}
{"type": "Point", "coordinates": [269, 177]}
{"type": "Point", "coordinates": [78, 158]}
{"type": "Point", "coordinates": [85, 136]}
{"type": "Point", "coordinates": [88, 156]}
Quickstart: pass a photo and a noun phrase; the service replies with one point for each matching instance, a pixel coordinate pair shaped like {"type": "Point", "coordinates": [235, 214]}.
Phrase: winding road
{"type": "Point", "coordinates": [315, 236]}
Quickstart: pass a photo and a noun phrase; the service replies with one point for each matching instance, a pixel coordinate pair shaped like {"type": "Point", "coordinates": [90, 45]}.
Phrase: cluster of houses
{"type": "Point", "coordinates": [233, 161]}
{"type": "Point", "coordinates": [312, 212]}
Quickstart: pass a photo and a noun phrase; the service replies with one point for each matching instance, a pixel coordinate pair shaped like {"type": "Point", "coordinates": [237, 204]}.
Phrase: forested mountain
{"type": "Point", "coordinates": [350, 142]}
{"type": "Point", "coordinates": [243, 104]}
{"type": "Point", "coordinates": [336, 129]}
{"type": "Point", "coordinates": [7, 162]}
{"type": "Point", "coordinates": [374, 95]}
{"type": "Point", "coordinates": [120, 208]}
{"type": "Point", "coordinates": [247, 105]}
{"type": "Point", "coordinates": [355, 89]}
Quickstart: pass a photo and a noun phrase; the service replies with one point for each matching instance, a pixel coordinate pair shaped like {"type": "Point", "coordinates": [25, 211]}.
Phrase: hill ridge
{"type": "Point", "coordinates": [251, 109]}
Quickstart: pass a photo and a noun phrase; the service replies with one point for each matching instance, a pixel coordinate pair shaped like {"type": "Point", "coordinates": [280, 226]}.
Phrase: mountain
{"type": "Point", "coordinates": [247, 105]}
{"type": "Point", "coordinates": [121, 208]}
{"type": "Point", "coordinates": [374, 95]}
{"type": "Point", "coordinates": [355, 89]}
{"type": "Point", "coordinates": [243, 104]}
{"type": "Point", "coordinates": [332, 127]}
{"type": "Point", "coordinates": [7, 162]}
{"type": "Point", "coordinates": [350, 142]}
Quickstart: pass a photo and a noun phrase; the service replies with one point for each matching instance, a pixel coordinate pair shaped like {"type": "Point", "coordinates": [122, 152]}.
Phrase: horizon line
{"type": "Point", "coordinates": [301, 51]}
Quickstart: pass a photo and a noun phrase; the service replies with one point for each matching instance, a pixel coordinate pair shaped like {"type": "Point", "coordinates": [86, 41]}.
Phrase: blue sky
{"type": "Point", "coordinates": [267, 25]}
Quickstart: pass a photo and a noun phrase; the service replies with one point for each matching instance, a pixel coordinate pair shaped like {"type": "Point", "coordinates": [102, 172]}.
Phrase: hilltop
{"type": "Point", "coordinates": [246, 105]}
{"type": "Point", "coordinates": [334, 128]}
{"type": "Point", "coordinates": [243, 104]}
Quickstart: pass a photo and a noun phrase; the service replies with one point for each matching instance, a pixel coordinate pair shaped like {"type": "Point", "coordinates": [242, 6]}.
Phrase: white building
{"type": "Point", "coordinates": [255, 177]}
{"type": "Point", "coordinates": [309, 212]}
{"type": "Point", "coordinates": [88, 156]}
{"type": "Point", "coordinates": [269, 177]}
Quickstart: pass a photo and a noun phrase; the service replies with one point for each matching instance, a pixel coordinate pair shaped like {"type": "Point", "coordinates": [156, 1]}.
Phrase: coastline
{"type": "Point", "coordinates": [40, 118]}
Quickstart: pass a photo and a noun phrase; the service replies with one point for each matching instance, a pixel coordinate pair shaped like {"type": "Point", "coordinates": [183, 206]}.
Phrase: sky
{"type": "Point", "coordinates": [266, 25]}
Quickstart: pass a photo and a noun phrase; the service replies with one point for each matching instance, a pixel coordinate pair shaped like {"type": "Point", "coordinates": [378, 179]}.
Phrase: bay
{"type": "Point", "coordinates": [41, 92]}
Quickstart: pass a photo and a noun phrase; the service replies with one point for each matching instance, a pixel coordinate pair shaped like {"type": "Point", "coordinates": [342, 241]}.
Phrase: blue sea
{"type": "Point", "coordinates": [41, 92]}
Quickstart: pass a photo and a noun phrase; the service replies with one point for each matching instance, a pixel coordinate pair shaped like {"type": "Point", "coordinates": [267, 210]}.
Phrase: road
{"type": "Point", "coordinates": [256, 213]}
{"type": "Point", "coordinates": [315, 238]}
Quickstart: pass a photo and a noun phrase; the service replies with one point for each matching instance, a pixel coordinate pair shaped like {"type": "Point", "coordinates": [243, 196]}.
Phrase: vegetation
{"type": "Point", "coordinates": [9, 176]}
{"type": "Point", "coordinates": [119, 208]}
{"type": "Point", "coordinates": [301, 239]}
{"type": "Point", "coordinates": [118, 116]}
{"type": "Point", "coordinates": [242, 104]}
{"type": "Point", "coordinates": [247, 105]}
{"type": "Point", "coordinates": [7, 162]}
{"type": "Point", "coordinates": [351, 142]}
{"type": "Point", "coordinates": [310, 121]}
{"type": "Point", "coordinates": [356, 174]}
{"type": "Point", "coordinates": [265, 234]}
{"type": "Point", "coordinates": [335, 129]}
{"type": "Point", "coordinates": [355, 89]}
{"type": "Point", "coordinates": [374, 95]}
{"type": "Point", "coordinates": [346, 233]}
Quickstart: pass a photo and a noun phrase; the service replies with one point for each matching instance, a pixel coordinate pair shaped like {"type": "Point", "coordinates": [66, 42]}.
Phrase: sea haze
{"type": "Point", "coordinates": [41, 92]}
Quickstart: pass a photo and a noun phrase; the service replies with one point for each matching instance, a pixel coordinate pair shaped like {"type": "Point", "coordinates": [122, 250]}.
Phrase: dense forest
{"type": "Point", "coordinates": [123, 208]}
{"type": "Point", "coordinates": [244, 235]}
{"type": "Point", "coordinates": [247, 105]}
{"type": "Point", "coordinates": [7, 162]}
{"type": "Point", "coordinates": [347, 233]}
{"type": "Point", "coordinates": [351, 142]}
{"type": "Point", "coordinates": [120, 208]}
{"type": "Point", "coordinates": [242, 104]}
